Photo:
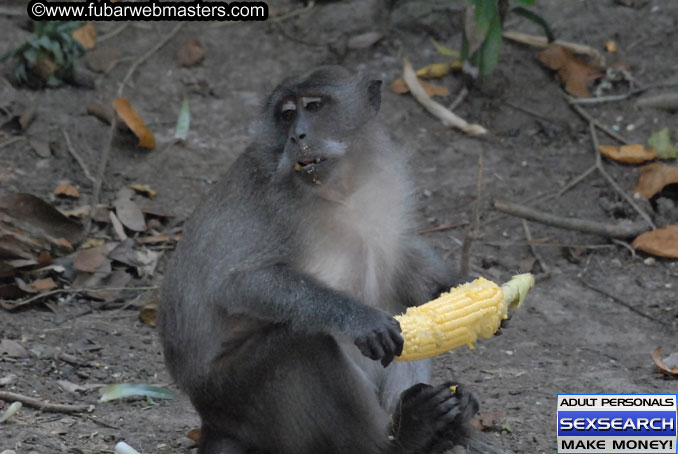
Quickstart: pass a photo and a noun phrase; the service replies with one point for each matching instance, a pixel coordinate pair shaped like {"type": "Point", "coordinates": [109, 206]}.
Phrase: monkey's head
{"type": "Point", "coordinates": [319, 120]}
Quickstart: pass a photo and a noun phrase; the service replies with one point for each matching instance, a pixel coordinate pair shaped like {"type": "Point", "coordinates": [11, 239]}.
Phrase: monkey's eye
{"type": "Point", "coordinates": [312, 104]}
{"type": "Point", "coordinates": [288, 110]}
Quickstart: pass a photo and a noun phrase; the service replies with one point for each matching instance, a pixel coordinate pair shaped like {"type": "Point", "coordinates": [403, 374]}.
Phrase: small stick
{"type": "Point", "coordinates": [541, 41]}
{"type": "Point", "coordinates": [603, 172]}
{"type": "Point", "coordinates": [598, 124]}
{"type": "Point", "coordinates": [76, 156]}
{"type": "Point", "coordinates": [546, 270]}
{"type": "Point", "coordinates": [112, 33]}
{"type": "Point", "coordinates": [439, 111]}
{"type": "Point", "coordinates": [439, 228]}
{"type": "Point", "coordinates": [623, 302]}
{"type": "Point", "coordinates": [11, 306]}
{"type": "Point", "coordinates": [11, 141]}
{"type": "Point", "coordinates": [624, 229]}
{"type": "Point", "coordinates": [42, 405]}
{"type": "Point", "coordinates": [459, 99]}
{"type": "Point", "coordinates": [577, 180]}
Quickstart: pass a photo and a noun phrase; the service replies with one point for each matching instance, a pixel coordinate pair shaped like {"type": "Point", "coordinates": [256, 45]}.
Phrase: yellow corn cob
{"type": "Point", "coordinates": [459, 317]}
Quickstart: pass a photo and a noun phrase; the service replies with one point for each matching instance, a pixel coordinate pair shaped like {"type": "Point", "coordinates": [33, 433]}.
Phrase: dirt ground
{"type": "Point", "coordinates": [569, 338]}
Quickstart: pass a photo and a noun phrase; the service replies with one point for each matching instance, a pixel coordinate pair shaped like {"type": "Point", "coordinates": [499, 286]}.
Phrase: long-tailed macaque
{"type": "Point", "coordinates": [277, 309]}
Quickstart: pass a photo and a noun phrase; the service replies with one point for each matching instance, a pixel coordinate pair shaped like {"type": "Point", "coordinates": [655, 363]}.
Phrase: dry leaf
{"type": "Point", "coordinates": [130, 215]}
{"type": "Point", "coordinates": [41, 148]}
{"type": "Point", "coordinates": [399, 86]}
{"type": "Point", "coordinates": [194, 434]}
{"type": "Point", "coordinates": [85, 35]}
{"type": "Point", "coordinates": [364, 40]}
{"type": "Point", "coordinates": [487, 419]}
{"type": "Point", "coordinates": [143, 189]}
{"type": "Point", "coordinates": [13, 349]}
{"type": "Point", "coordinates": [43, 285]}
{"type": "Point", "coordinates": [67, 190]}
{"type": "Point", "coordinates": [91, 260]}
{"type": "Point", "coordinates": [149, 313]}
{"type": "Point", "coordinates": [654, 177]}
{"type": "Point", "coordinates": [133, 120]}
{"type": "Point", "coordinates": [437, 70]}
{"type": "Point", "coordinates": [191, 53]}
{"type": "Point", "coordinates": [78, 212]}
{"type": "Point", "coordinates": [628, 154]}
{"type": "Point", "coordinates": [101, 60]}
{"type": "Point", "coordinates": [611, 46]}
{"type": "Point", "coordinates": [657, 356]}
{"type": "Point", "coordinates": [165, 238]}
{"type": "Point", "coordinates": [572, 73]}
{"type": "Point", "coordinates": [662, 242]}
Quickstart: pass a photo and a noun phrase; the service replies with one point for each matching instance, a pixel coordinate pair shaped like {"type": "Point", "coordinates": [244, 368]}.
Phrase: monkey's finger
{"type": "Point", "coordinates": [369, 348]}
{"type": "Point", "coordinates": [387, 359]}
{"type": "Point", "coordinates": [388, 343]}
{"type": "Point", "coordinates": [506, 322]}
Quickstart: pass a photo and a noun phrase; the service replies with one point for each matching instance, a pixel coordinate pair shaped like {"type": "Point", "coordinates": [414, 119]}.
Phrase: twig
{"type": "Point", "coordinates": [440, 228]}
{"type": "Point", "coordinates": [598, 124]}
{"type": "Point", "coordinates": [112, 33]}
{"type": "Point", "coordinates": [473, 232]}
{"type": "Point", "coordinates": [437, 110]}
{"type": "Point", "coordinates": [577, 180]}
{"type": "Point", "coordinates": [11, 306]}
{"type": "Point", "coordinates": [666, 101]}
{"type": "Point", "coordinates": [459, 99]}
{"type": "Point", "coordinates": [77, 157]}
{"type": "Point", "coordinates": [148, 55]}
{"type": "Point", "coordinates": [546, 270]}
{"type": "Point", "coordinates": [11, 141]}
{"type": "Point", "coordinates": [626, 245]}
{"type": "Point", "coordinates": [603, 172]}
{"type": "Point", "coordinates": [297, 12]}
{"type": "Point", "coordinates": [541, 41]}
{"type": "Point", "coordinates": [624, 229]}
{"type": "Point", "coordinates": [623, 302]}
{"type": "Point", "coordinates": [42, 405]}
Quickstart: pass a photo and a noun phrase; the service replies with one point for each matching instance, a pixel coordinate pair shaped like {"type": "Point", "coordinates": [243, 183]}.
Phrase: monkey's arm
{"type": "Point", "coordinates": [280, 294]}
{"type": "Point", "coordinates": [424, 275]}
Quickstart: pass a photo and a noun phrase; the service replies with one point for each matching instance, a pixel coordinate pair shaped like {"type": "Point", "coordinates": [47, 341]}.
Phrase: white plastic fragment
{"type": "Point", "coordinates": [124, 448]}
{"type": "Point", "coordinates": [16, 406]}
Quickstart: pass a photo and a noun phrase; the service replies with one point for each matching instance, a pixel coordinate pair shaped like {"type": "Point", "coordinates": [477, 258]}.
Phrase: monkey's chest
{"type": "Point", "coordinates": [359, 260]}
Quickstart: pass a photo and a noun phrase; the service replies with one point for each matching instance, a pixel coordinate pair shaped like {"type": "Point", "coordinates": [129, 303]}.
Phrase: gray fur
{"type": "Point", "coordinates": [281, 274]}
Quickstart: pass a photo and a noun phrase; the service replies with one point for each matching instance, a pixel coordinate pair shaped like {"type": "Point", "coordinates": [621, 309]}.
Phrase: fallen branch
{"type": "Point", "coordinates": [77, 157]}
{"type": "Point", "coordinates": [541, 41]}
{"type": "Point", "coordinates": [439, 111]}
{"type": "Point", "coordinates": [625, 229]}
{"type": "Point", "coordinates": [42, 405]}
{"type": "Point", "coordinates": [597, 124]}
{"type": "Point", "coordinates": [437, 228]}
{"type": "Point", "coordinates": [665, 101]}
{"type": "Point", "coordinates": [619, 300]}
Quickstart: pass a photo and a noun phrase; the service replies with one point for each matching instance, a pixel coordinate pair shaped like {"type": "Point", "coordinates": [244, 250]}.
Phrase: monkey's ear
{"type": "Point", "coordinates": [374, 94]}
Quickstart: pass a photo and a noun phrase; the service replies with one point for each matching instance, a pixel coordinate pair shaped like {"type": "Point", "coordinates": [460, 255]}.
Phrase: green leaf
{"type": "Point", "coordinates": [660, 141]}
{"type": "Point", "coordinates": [485, 11]}
{"type": "Point", "coordinates": [487, 56]}
{"type": "Point", "coordinates": [183, 122]}
{"type": "Point", "coordinates": [537, 19]}
{"type": "Point", "coordinates": [31, 56]}
{"type": "Point", "coordinates": [525, 2]}
{"type": "Point", "coordinates": [444, 50]}
{"type": "Point", "coordinates": [118, 391]}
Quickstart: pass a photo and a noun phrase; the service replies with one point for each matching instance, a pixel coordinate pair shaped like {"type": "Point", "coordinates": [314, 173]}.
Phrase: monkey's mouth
{"type": "Point", "coordinates": [307, 164]}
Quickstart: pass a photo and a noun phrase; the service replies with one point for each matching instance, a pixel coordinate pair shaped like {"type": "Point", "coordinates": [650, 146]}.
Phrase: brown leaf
{"type": "Point", "coordinates": [143, 189]}
{"type": "Point", "coordinates": [67, 190]}
{"type": "Point", "coordinates": [628, 154]}
{"type": "Point", "coordinates": [165, 238]}
{"type": "Point", "coordinates": [194, 434]}
{"type": "Point", "coordinates": [112, 284]}
{"type": "Point", "coordinates": [149, 313]}
{"type": "Point", "coordinates": [662, 242]}
{"type": "Point", "coordinates": [78, 212]}
{"type": "Point", "coordinates": [133, 120]}
{"type": "Point", "coordinates": [399, 86]}
{"type": "Point", "coordinates": [32, 212]}
{"type": "Point", "coordinates": [191, 53]}
{"type": "Point", "coordinates": [487, 419]}
{"type": "Point", "coordinates": [572, 72]}
{"type": "Point", "coordinates": [654, 177]}
{"type": "Point", "coordinates": [39, 285]}
{"type": "Point", "coordinates": [85, 35]}
{"type": "Point", "coordinates": [657, 357]}
{"type": "Point", "coordinates": [91, 260]}
{"type": "Point", "coordinates": [101, 60]}
{"type": "Point", "coordinates": [364, 40]}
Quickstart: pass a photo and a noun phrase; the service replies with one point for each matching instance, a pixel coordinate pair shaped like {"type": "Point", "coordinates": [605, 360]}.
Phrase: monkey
{"type": "Point", "coordinates": [277, 307]}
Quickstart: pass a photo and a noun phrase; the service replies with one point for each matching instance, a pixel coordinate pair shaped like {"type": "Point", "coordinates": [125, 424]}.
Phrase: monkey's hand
{"type": "Point", "coordinates": [378, 336]}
